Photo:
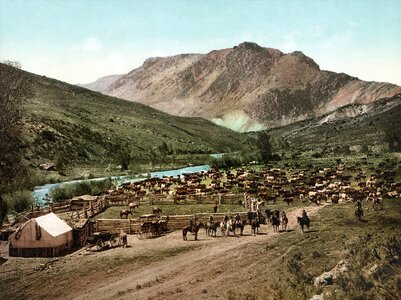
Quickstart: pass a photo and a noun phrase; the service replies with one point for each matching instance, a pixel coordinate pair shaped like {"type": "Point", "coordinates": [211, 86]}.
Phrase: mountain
{"type": "Point", "coordinates": [244, 88]}
{"type": "Point", "coordinates": [101, 85]}
{"type": "Point", "coordinates": [369, 128]}
{"type": "Point", "coordinates": [89, 128]}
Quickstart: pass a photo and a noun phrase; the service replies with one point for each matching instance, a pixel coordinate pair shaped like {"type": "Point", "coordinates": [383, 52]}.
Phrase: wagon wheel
{"type": "Point", "coordinates": [100, 245]}
{"type": "Point", "coordinates": [114, 241]}
{"type": "Point", "coordinates": [140, 234]}
{"type": "Point", "coordinates": [148, 233]}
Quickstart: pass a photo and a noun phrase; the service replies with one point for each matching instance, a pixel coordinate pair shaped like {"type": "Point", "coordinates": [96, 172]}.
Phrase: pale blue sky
{"type": "Point", "coordinates": [81, 40]}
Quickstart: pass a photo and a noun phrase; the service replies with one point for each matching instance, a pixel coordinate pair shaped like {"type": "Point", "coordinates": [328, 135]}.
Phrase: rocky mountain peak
{"type": "Point", "coordinates": [247, 87]}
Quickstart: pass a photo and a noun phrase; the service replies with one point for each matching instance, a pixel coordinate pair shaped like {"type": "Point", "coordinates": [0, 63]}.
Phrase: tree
{"type": "Point", "coordinates": [123, 156]}
{"type": "Point", "coordinates": [264, 146]}
{"type": "Point", "coordinates": [164, 150]}
{"type": "Point", "coordinates": [3, 209]}
{"type": "Point", "coordinates": [15, 86]}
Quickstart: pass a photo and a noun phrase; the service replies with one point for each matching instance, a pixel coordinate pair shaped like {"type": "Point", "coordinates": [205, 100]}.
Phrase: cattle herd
{"type": "Point", "coordinates": [259, 186]}
{"type": "Point", "coordinates": [271, 185]}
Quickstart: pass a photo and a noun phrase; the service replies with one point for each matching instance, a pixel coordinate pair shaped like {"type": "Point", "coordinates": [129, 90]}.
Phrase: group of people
{"type": "Point", "coordinates": [275, 218]}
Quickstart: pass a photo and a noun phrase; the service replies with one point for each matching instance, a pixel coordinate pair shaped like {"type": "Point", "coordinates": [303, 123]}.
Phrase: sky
{"type": "Point", "coordinates": [79, 41]}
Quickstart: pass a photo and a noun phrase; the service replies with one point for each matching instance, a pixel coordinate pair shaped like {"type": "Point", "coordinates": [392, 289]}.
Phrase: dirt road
{"type": "Point", "coordinates": [207, 270]}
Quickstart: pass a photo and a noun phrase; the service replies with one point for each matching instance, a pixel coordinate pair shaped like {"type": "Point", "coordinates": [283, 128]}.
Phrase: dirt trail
{"type": "Point", "coordinates": [197, 272]}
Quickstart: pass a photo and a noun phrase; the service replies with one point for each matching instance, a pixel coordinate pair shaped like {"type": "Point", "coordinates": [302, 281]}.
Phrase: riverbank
{"type": "Point", "coordinates": [42, 193]}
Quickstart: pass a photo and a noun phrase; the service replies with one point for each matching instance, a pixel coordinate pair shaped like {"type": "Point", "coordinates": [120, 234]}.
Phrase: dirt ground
{"type": "Point", "coordinates": [160, 268]}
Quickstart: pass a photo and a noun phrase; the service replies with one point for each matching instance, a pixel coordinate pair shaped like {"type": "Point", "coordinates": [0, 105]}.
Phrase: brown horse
{"type": "Point", "coordinates": [275, 221]}
{"type": "Point", "coordinates": [132, 206]}
{"type": "Point", "coordinates": [284, 222]}
{"type": "Point", "coordinates": [211, 228]}
{"type": "Point", "coordinates": [236, 224]}
{"type": "Point", "coordinates": [304, 221]}
{"type": "Point", "coordinates": [193, 229]}
{"type": "Point", "coordinates": [255, 225]}
{"type": "Point", "coordinates": [125, 213]}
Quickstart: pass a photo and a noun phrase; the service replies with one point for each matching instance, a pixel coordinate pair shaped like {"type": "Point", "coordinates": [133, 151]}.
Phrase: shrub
{"type": "Point", "coordinates": [68, 191]}
{"type": "Point", "coordinates": [19, 201]}
{"type": "Point", "coordinates": [3, 209]}
{"type": "Point", "coordinates": [60, 162]}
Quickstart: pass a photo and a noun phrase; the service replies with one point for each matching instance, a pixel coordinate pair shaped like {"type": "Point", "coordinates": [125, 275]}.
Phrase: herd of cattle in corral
{"type": "Point", "coordinates": [255, 188]}
{"type": "Point", "coordinates": [266, 185]}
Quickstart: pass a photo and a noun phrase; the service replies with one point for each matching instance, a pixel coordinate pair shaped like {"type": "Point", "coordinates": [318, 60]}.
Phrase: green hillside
{"type": "Point", "coordinates": [78, 127]}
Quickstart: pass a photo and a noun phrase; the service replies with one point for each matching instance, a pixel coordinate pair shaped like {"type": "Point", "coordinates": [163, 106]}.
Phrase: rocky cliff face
{"type": "Point", "coordinates": [245, 88]}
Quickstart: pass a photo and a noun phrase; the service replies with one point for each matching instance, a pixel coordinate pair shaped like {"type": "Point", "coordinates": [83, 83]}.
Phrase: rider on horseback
{"type": "Point", "coordinates": [211, 219]}
{"type": "Point", "coordinates": [250, 216]}
{"type": "Point", "coordinates": [237, 218]}
{"type": "Point", "coordinates": [304, 215]}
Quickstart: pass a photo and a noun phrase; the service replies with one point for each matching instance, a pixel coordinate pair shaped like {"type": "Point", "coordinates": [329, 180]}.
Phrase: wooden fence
{"type": "Point", "coordinates": [176, 222]}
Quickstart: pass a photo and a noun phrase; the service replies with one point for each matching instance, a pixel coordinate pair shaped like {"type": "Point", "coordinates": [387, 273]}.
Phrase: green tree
{"type": "Point", "coordinates": [15, 86]}
{"type": "Point", "coordinates": [264, 146]}
{"type": "Point", "coordinates": [123, 156]}
{"type": "Point", "coordinates": [164, 150]}
{"type": "Point", "coordinates": [3, 209]}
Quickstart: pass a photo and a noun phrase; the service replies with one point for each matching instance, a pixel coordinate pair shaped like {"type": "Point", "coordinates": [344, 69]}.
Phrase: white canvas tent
{"type": "Point", "coordinates": [45, 236]}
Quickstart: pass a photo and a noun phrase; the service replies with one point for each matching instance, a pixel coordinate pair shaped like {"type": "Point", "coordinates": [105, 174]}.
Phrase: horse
{"type": "Point", "coordinates": [304, 221]}
{"type": "Point", "coordinates": [359, 213]}
{"type": "Point", "coordinates": [132, 206]}
{"type": "Point", "coordinates": [156, 211]}
{"type": "Point", "coordinates": [125, 213]}
{"type": "Point", "coordinates": [193, 229]}
{"type": "Point", "coordinates": [275, 221]}
{"type": "Point", "coordinates": [255, 224]}
{"type": "Point", "coordinates": [211, 227]}
{"type": "Point", "coordinates": [233, 225]}
{"type": "Point", "coordinates": [284, 222]}
{"type": "Point", "coordinates": [268, 213]}
{"type": "Point", "coordinates": [224, 227]}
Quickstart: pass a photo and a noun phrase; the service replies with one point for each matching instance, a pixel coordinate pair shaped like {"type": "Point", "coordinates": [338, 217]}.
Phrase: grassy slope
{"type": "Point", "coordinates": [86, 126]}
{"type": "Point", "coordinates": [375, 128]}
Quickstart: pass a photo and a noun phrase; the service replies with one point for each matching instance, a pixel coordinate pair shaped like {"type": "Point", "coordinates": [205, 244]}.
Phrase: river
{"type": "Point", "coordinates": [42, 193]}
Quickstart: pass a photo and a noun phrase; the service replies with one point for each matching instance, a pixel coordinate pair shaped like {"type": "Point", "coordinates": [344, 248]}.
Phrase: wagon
{"type": "Point", "coordinates": [103, 240]}
{"type": "Point", "coordinates": [151, 226]}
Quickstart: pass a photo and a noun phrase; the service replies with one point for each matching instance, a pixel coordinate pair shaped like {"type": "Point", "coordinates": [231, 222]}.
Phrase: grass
{"type": "Point", "coordinates": [336, 234]}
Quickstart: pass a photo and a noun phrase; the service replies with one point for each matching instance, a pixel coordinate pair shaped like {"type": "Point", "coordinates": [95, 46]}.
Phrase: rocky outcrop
{"type": "Point", "coordinates": [328, 278]}
{"type": "Point", "coordinates": [247, 87]}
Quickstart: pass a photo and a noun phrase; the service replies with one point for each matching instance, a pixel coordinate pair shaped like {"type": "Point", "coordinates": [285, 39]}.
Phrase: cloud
{"type": "Point", "coordinates": [91, 43]}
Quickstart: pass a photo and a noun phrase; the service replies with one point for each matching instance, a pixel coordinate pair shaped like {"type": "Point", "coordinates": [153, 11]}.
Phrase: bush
{"type": "Point", "coordinates": [61, 193]}
{"type": "Point", "coordinates": [60, 162]}
{"type": "Point", "coordinates": [3, 209]}
{"type": "Point", "coordinates": [69, 191]}
{"type": "Point", "coordinates": [19, 201]}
